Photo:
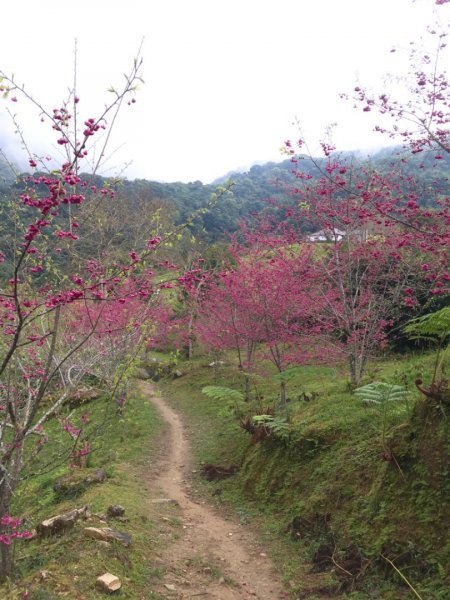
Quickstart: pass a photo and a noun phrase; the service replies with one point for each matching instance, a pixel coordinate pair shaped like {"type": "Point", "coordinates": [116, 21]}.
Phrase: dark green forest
{"type": "Point", "coordinates": [220, 207]}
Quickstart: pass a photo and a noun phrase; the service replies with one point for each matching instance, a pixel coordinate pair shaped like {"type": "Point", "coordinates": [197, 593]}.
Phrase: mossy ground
{"type": "Point", "coordinates": [332, 476]}
{"type": "Point", "coordinates": [327, 485]}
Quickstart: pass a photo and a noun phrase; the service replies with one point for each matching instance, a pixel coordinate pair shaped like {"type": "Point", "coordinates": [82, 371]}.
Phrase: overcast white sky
{"type": "Point", "coordinates": [225, 79]}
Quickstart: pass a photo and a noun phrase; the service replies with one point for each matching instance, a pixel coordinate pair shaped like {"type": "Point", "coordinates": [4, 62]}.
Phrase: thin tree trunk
{"type": "Point", "coordinates": [247, 388]}
{"type": "Point", "coordinates": [357, 368]}
{"type": "Point", "coordinates": [283, 395]}
{"type": "Point", "coordinates": [7, 488]}
{"type": "Point", "coordinates": [190, 348]}
{"type": "Point", "coordinates": [7, 559]}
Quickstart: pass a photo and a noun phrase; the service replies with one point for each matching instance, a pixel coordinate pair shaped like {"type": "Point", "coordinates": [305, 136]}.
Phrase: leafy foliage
{"type": "Point", "coordinates": [275, 424]}
{"type": "Point", "coordinates": [386, 397]}
{"type": "Point", "coordinates": [381, 393]}
{"type": "Point", "coordinates": [262, 425]}
{"type": "Point", "coordinates": [434, 327]}
{"type": "Point", "coordinates": [220, 393]}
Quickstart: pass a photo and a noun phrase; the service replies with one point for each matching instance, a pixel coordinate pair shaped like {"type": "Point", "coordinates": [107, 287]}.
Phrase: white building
{"type": "Point", "coordinates": [326, 235]}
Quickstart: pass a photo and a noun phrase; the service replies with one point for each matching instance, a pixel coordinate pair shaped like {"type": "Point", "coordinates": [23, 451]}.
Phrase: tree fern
{"type": "Point", "coordinates": [381, 393]}
{"type": "Point", "coordinates": [278, 425]}
{"type": "Point", "coordinates": [434, 328]}
{"type": "Point", "coordinates": [383, 396]}
{"type": "Point", "coordinates": [233, 400]}
{"type": "Point", "coordinates": [217, 392]}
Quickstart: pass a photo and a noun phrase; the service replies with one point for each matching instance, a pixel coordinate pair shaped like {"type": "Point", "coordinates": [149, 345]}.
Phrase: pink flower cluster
{"type": "Point", "coordinates": [9, 522]}
{"type": "Point", "coordinates": [71, 430]}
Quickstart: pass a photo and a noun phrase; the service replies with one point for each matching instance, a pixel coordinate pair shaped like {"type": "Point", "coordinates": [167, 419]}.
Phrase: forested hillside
{"type": "Point", "coordinates": [264, 190]}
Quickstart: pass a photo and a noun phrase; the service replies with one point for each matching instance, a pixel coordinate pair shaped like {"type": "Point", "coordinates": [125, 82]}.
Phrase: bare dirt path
{"type": "Point", "coordinates": [214, 558]}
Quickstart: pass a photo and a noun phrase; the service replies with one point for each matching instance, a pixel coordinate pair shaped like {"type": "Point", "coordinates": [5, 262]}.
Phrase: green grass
{"type": "Point", "coordinates": [124, 447]}
{"type": "Point", "coordinates": [331, 469]}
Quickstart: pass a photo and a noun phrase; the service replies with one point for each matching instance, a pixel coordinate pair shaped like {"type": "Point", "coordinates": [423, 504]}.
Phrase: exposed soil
{"type": "Point", "coordinates": [214, 557]}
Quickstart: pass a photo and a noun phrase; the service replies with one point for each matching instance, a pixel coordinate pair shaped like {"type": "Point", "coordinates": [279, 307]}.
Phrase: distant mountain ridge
{"type": "Point", "coordinates": [254, 191]}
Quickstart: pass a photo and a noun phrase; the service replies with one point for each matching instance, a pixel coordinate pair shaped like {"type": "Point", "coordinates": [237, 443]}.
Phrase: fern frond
{"type": "Point", "coordinates": [432, 327]}
{"type": "Point", "coordinates": [379, 392]}
{"type": "Point", "coordinates": [225, 394]}
{"type": "Point", "coordinates": [262, 419]}
{"type": "Point", "coordinates": [278, 425]}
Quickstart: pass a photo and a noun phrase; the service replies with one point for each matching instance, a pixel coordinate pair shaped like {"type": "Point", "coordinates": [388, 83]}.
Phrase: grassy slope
{"type": "Point", "coordinates": [332, 476]}
{"type": "Point", "coordinates": [67, 566]}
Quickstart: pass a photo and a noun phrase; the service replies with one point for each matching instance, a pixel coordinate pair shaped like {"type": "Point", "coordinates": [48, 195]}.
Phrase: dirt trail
{"type": "Point", "coordinates": [214, 558]}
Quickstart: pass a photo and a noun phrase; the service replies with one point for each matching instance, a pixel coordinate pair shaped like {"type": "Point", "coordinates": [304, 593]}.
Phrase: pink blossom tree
{"type": "Point", "coordinates": [422, 120]}
{"type": "Point", "coordinates": [227, 321]}
{"type": "Point", "coordinates": [268, 304]}
{"type": "Point", "coordinates": [38, 301]}
{"type": "Point", "coordinates": [380, 249]}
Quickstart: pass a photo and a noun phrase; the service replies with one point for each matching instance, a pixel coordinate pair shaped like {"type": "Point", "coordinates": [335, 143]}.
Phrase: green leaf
{"type": "Point", "coordinates": [225, 394]}
{"type": "Point", "coordinates": [433, 327]}
{"type": "Point", "coordinates": [380, 393]}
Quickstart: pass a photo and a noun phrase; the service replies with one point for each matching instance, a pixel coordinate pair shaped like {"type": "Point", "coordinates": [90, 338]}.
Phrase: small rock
{"type": "Point", "coordinates": [96, 533]}
{"type": "Point", "coordinates": [115, 510]}
{"type": "Point", "coordinates": [108, 583]}
{"type": "Point", "coordinates": [178, 373]}
{"type": "Point", "coordinates": [221, 580]}
{"type": "Point", "coordinates": [98, 476]}
{"type": "Point", "coordinates": [207, 570]}
{"type": "Point", "coordinates": [60, 523]}
{"type": "Point", "coordinates": [75, 483]}
{"type": "Point", "coordinates": [142, 373]}
{"type": "Point", "coordinates": [170, 587]}
{"type": "Point", "coordinates": [106, 534]}
{"type": "Point", "coordinates": [263, 554]}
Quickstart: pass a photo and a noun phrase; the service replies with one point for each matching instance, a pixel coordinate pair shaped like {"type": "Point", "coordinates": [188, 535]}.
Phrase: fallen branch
{"type": "Point", "coordinates": [415, 592]}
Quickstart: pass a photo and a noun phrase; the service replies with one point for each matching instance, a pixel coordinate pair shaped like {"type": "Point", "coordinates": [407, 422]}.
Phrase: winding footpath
{"type": "Point", "coordinates": [214, 558]}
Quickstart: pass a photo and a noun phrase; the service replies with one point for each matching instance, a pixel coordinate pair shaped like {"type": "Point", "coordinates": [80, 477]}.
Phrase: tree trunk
{"type": "Point", "coordinates": [283, 395]}
{"type": "Point", "coordinates": [190, 347]}
{"type": "Point", "coordinates": [8, 486]}
{"type": "Point", "coordinates": [247, 388]}
{"type": "Point", "coordinates": [357, 368]}
{"type": "Point", "coordinates": [7, 559]}
{"type": "Point", "coordinates": [6, 550]}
